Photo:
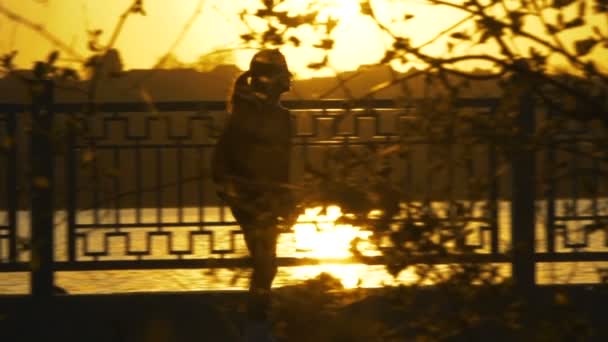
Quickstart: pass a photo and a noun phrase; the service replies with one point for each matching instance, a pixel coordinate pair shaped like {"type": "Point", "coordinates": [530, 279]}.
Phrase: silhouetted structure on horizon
{"type": "Point", "coordinates": [160, 85]}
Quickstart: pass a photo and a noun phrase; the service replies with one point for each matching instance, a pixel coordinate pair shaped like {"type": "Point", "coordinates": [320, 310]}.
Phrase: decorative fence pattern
{"type": "Point", "coordinates": [576, 170]}
{"type": "Point", "coordinates": [141, 172]}
{"type": "Point", "coordinates": [8, 189]}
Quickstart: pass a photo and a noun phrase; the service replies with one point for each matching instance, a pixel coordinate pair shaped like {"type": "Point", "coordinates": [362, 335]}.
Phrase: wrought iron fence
{"type": "Point", "coordinates": [575, 174]}
{"type": "Point", "coordinates": [135, 177]}
{"type": "Point", "coordinates": [8, 189]}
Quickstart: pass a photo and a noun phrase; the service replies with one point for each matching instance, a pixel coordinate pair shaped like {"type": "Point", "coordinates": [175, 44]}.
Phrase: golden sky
{"type": "Point", "coordinates": [145, 39]}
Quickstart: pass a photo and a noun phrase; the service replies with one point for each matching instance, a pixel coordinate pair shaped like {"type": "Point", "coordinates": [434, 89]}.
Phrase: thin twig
{"type": "Point", "coordinates": [197, 12]}
{"type": "Point", "coordinates": [174, 45]}
{"type": "Point", "coordinates": [119, 26]}
{"type": "Point", "coordinates": [94, 82]}
{"type": "Point", "coordinates": [39, 28]}
{"type": "Point", "coordinates": [446, 31]}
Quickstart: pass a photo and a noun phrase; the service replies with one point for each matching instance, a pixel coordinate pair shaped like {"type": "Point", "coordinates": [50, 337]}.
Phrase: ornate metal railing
{"type": "Point", "coordinates": [132, 187]}
{"type": "Point", "coordinates": [576, 188]}
{"type": "Point", "coordinates": [137, 170]}
{"type": "Point", "coordinates": [8, 189]}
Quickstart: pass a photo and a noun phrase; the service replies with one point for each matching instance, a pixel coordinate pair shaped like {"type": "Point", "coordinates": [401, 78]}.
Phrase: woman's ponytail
{"type": "Point", "coordinates": [240, 88]}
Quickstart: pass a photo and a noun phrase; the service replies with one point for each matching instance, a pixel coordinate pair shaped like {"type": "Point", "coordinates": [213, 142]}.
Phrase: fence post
{"type": "Point", "coordinates": [41, 185]}
{"type": "Point", "coordinates": [70, 178]}
{"type": "Point", "coordinates": [523, 196]}
{"type": "Point", "coordinates": [11, 185]}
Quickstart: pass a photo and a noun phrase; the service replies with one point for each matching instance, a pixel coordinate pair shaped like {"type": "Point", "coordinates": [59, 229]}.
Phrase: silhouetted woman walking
{"type": "Point", "coordinates": [251, 168]}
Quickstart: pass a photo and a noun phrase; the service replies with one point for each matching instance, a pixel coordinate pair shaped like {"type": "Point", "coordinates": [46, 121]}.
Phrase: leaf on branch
{"type": "Point", "coordinates": [590, 68]}
{"type": "Point", "coordinates": [269, 4]}
{"type": "Point", "coordinates": [285, 19]}
{"type": "Point", "coordinates": [95, 33]}
{"type": "Point", "coordinates": [272, 36]}
{"type": "Point", "coordinates": [319, 65]}
{"type": "Point", "coordinates": [584, 46]}
{"type": "Point", "coordinates": [295, 21]}
{"type": "Point", "coordinates": [247, 37]}
{"type": "Point", "coordinates": [310, 17]}
{"type": "Point", "coordinates": [330, 25]}
{"type": "Point", "coordinates": [138, 7]}
{"type": "Point", "coordinates": [552, 29]}
{"type": "Point", "coordinates": [450, 47]}
{"type": "Point", "coordinates": [7, 60]}
{"type": "Point", "coordinates": [389, 55]}
{"type": "Point", "coordinates": [485, 36]}
{"type": "Point", "coordinates": [93, 43]}
{"type": "Point", "coordinates": [366, 8]}
{"type": "Point", "coordinates": [574, 23]}
{"type": "Point", "coordinates": [494, 26]}
{"type": "Point", "coordinates": [93, 46]}
{"type": "Point", "coordinates": [295, 41]}
{"type": "Point", "coordinates": [52, 58]}
{"type": "Point", "coordinates": [243, 14]}
{"type": "Point", "coordinates": [401, 43]}
{"type": "Point", "coordinates": [325, 44]}
{"type": "Point", "coordinates": [600, 6]}
{"type": "Point", "coordinates": [460, 35]}
{"type": "Point", "coordinates": [516, 20]}
{"type": "Point", "coordinates": [538, 58]}
{"type": "Point", "coordinates": [561, 3]}
{"type": "Point", "coordinates": [268, 13]}
{"type": "Point", "coordinates": [582, 8]}
{"type": "Point", "coordinates": [92, 62]}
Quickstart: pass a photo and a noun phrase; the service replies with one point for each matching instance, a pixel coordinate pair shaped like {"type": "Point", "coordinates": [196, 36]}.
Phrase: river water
{"type": "Point", "coordinates": [323, 240]}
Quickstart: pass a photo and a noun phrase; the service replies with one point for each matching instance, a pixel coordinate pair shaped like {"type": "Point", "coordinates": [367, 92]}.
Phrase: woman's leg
{"type": "Point", "coordinates": [261, 238]}
{"type": "Point", "coordinates": [262, 248]}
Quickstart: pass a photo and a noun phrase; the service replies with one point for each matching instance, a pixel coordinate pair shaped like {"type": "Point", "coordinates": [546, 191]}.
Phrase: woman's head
{"type": "Point", "coordinates": [267, 78]}
{"type": "Point", "coordinates": [269, 72]}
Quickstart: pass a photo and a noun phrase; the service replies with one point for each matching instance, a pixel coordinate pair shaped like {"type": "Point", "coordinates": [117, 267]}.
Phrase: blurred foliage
{"type": "Point", "coordinates": [452, 310]}
{"type": "Point", "coordinates": [468, 300]}
{"type": "Point", "coordinates": [363, 181]}
{"type": "Point", "coordinates": [502, 27]}
{"type": "Point", "coordinates": [311, 312]}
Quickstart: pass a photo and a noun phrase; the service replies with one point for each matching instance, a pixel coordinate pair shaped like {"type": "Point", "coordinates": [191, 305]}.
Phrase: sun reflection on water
{"type": "Point", "coordinates": [317, 235]}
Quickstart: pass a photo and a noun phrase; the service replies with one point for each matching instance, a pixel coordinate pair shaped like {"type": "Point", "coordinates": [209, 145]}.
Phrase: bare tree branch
{"type": "Point", "coordinates": [44, 33]}
{"type": "Point", "coordinates": [121, 21]}
{"type": "Point", "coordinates": [197, 12]}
